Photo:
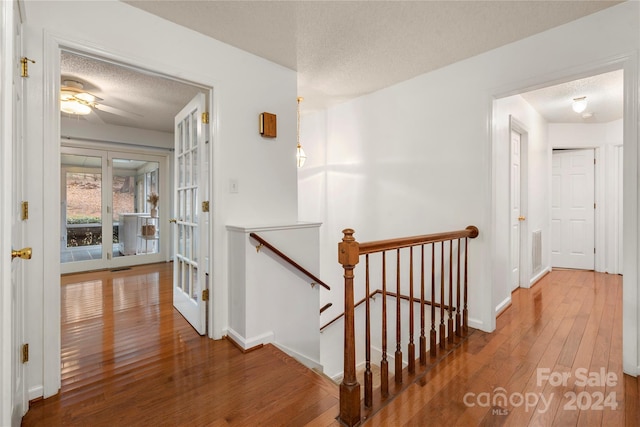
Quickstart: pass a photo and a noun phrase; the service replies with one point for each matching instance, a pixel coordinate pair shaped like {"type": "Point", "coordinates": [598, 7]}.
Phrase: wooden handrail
{"type": "Point", "coordinates": [288, 260]}
{"type": "Point", "coordinates": [325, 307]}
{"type": "Point", "coordinates": [405, 242]}
{"type": "Point", "coordinates": [335, 319]}
{"type": "Point", "coordinates": [372, 295]}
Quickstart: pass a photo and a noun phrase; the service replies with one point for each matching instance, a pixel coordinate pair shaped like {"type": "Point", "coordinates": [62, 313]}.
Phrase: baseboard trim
{"type": "Point", "coordinates": [535, 279]}
{"type": "Point", "coordinates": [305, 360]}
{"type": "Point", "coordinates": [500, 308]}
{"type": "Point", "coordinates": [36, 393]}
{"type": "Point", "coordinates": [247, 345]}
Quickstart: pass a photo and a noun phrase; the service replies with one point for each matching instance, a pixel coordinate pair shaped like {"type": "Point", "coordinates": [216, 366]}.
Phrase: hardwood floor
{"type": "Point", "coordinates": [130, 359]}
{"type": "Point", "coordinates": [569, 324]}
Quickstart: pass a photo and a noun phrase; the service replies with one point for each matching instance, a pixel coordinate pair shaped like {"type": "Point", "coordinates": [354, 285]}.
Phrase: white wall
{"type": "Point", "coordinates": [270, 301]}
{"type": "Point", "coordinates": [243, 86]}
{"type": "Point", "coordinates": [606, 139]}
{"type": "Point", "coordinates": [75, 129]}
{"type": "Point", "coordinates": [417, 157]}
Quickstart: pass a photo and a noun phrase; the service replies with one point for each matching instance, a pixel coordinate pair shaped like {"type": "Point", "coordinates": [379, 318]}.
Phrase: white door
{"type": "Point", "coordinates": [190, 291]}
{"type": "Point", "coordinates": [516, 217]}
{"type": "Point", "coordinates": [572, 209]}
{"type": "Point", "coordinates": [13, 405]}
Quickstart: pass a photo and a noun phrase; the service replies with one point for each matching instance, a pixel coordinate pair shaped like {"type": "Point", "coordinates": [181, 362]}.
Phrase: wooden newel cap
{"type": "Point", "coordinates": [474, 231]}
{"type": "Point", "coordinates": [348, 249]}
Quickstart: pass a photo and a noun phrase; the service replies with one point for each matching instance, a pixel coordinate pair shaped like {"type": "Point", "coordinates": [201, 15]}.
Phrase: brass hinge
{"type": "Point", "coordinates": [594, 206]}
{"type": "Point", "coordinates": [25, 66]}
{"type": "Point", "coordinates": [25, 211]}
{"type": "Point", "coordinates": [205, 206]}
{"type": "Point", "coordinates": [205, 118]}
{"type": "Point", "coordinates": [25, 353]}
{"type": "Point", "coordinates": [205, 295]}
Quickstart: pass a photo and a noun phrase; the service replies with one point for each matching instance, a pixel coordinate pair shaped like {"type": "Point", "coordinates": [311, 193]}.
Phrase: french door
{"type": "Point", "coordinates": [106, 218]}
{"type": "Point", "coordinates": [190, 267]}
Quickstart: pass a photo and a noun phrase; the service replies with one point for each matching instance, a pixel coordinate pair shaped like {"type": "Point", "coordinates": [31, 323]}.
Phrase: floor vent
{"type": "Point", "coordinates": [536, 251]}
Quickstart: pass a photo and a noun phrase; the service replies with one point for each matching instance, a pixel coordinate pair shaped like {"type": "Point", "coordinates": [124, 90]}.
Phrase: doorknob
{"type": "Point", "coordinates": [24, 253]}
{"type": "Point", "coordinates": [172, 220]}
{"type": "Point", "coordinates": [521, 218]}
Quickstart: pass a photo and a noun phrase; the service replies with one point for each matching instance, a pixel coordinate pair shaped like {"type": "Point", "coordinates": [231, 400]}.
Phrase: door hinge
{"type": "Point", "coordinates": [108, 255]}
{"type": "Point", "coordinates": [205, 295]}
{"type": "Point", "coordinates": [25, 353]}
{"type": "Point", "coordinates": [594, 206]}
{"type": "Point", "coordinates": [205, 206]}
{"type": "Point", "coordinates": [594, 250]}
{"type": "Point", "coordinates": [205, 118]}
{"type": "Point", "coordinates": [25, 211]}
{"type": "Point", "coordinates": [25, 66]}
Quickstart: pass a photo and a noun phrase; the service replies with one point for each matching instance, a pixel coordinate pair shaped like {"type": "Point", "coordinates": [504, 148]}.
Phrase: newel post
{"type": "Point", "coordinates": [348, 256]}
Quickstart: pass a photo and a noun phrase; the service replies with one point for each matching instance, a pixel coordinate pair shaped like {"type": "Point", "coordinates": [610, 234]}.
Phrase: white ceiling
{"type": "Point", "coordinates": [340, 49]}
{"type": "Point", "coordinates": [604, 94]}
{"type": "Point", "coordinates": [151, 101]}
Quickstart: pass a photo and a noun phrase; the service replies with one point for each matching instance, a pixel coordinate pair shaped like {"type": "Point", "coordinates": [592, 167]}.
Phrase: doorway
{"type": "Point", "coordinates": [518, 203]}
{"type": "Point", "coordinates": [107, 219]}
{"type": "Point", "coordinates": [130, 129]}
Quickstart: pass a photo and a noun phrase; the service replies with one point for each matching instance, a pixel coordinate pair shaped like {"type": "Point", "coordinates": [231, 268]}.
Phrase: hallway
{"type": "Point", "coordinates": [130, 359]}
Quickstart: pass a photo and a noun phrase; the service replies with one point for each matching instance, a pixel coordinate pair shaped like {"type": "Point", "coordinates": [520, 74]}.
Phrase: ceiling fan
{"type": "Point", "coordinates": [75, 100]}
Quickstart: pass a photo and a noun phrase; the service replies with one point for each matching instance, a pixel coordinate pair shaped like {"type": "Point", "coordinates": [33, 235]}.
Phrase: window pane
{"type": "Point", "coordinates": [82, 208]}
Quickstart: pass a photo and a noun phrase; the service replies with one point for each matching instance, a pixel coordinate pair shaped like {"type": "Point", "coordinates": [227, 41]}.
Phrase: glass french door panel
{"type": "Point", "coordinates": [187, 207]}
{"type": "Point", "coordinates": [133, 181]}
{"type": "Point", "coordinates": [82, 231]}
{"type": "Point", "coordinates": [188, 280]}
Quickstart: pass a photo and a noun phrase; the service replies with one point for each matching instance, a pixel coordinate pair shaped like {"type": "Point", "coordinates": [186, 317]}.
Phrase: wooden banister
{"type": "Point", "coordinates": [349, 251]}
{"type": "Point", "coordinates": [291, 262]}
{"type": "Point", "coordinates": [325, 307]}
{"type": "Point", "coordinates": [389, 294]}
{"type": "Point", "coordinates": [405, 242]}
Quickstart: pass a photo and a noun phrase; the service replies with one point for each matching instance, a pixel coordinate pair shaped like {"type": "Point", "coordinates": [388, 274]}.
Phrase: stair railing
{"type": "Point", "coordinates": [452, 299]}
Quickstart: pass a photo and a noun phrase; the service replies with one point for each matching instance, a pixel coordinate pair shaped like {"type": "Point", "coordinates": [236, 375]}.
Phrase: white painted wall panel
{"type": "Point", "coordinates": [426, 164]}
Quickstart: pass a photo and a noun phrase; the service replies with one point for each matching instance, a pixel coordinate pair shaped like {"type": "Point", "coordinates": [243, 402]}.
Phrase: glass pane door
{"type": "Point", "coordinates": [82, 205]}
{"type": "Point", "coordinates": [136, 207]}
{"type": "Point", "coordinates": [110, 213]}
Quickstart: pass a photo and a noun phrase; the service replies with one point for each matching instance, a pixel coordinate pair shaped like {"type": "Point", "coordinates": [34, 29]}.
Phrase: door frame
{"type": "Point", "coordinates": [53, 45]}
{"type": "Point", "coordinates": [628, 62]}
{"type": "Point", "coordinates": [107, 152]}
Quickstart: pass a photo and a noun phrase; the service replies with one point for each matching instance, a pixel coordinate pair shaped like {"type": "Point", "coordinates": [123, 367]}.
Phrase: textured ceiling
{"type": "Point", "coordinates": [341, 49]}
{"type": "Point", "coordinates": [344, 49]}
{"type": "Point", "coordinates": [146, 101]}
{"type": "Point", "coordinates": [604, 94]}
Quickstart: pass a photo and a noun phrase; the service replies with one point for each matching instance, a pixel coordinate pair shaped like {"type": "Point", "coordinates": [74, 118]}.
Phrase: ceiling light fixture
{"type": "Point", "coordinates": [73, 100]}
{"type": "Point", "coordinates": [579, 104]}
{"type": "Point", "coordinates": [301, 157]}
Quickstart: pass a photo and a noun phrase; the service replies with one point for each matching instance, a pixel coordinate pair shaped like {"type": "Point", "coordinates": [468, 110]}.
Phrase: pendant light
{"type": "Point", "coordinates": [579, 104]}
{"type": "Point", "coordinates": [300, 154]}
